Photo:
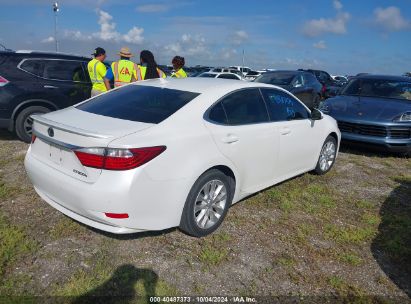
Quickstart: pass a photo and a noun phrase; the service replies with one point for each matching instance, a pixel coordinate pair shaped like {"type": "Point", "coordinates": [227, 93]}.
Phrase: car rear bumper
{"type": "Point", "coordinates": [150, 205]}
{"type": "Point", "coordinates": [389, 144]}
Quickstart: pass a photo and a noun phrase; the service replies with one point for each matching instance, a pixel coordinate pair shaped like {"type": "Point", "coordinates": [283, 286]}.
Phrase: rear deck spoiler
{"type": "Point", "coordinates": [50, 123]}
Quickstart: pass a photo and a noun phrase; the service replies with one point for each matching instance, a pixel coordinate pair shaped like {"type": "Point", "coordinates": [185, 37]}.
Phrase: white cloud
{"type": "Point", "coordinates": [135, 35]}
{"type": "Point", "coordinates": [239, 37]}
{"type": "Point", "coordinates": [317, 27]}
{"type": "Point", "coordinates": [152, 8]}
{"type": "Point", "coordinates": [320, 45]}
{"type": "Point", "coordinates": [48, 40]}
{"type": "Point", "coordinates": [391, 19]}
{"type": "Point", "coordinates": [336, 25]}
{"type": "Point", "coordinates": [107, 32]}
{"type": "Point", "coordinates": [337, 4]}
{"type": "Point", "coordinates": [189, 45]}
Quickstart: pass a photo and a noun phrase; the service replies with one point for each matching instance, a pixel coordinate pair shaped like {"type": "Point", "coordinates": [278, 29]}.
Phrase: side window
{"type": "Point", "coordinates": [32, 66]}
{"type": "Point", "coordinates": [64, 70]}
{"type": "Point", "coordinates": [298, 81]}
{"type": "Point", "coordinates": [309, 79]}
{"type": "Point", "coordinates": [245, 107]}
{"type": "Point", "coordinates": [283, 106]}
{"type": "Point", "coordinates": [217, 114]}
{"type": "Point", "coordinates": [228, 76]}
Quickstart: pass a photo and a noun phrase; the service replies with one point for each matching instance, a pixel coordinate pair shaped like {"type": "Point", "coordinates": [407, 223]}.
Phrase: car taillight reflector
{"type": "Point", "coordinates": [3, 81]}
{"type": "Point", "coordinates": [117, 159]}
{"type": "Point", "coordinates": [117, 215]}
{"type": "Point", "coordinates": [33, 138]}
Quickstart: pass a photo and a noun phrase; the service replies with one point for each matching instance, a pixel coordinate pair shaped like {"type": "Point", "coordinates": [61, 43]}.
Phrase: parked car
{"type": "Point", "coordinates": [242, 70]}
{"type": "Point", "coordinates": [38, 82]}
{"type": "Point", "coordinates": [172, 153]}
{"type": "Point", "coordinates": [220, 75]}
{"type": "Point", "coordinates": [225, 70]}
{"type": "Point", "coordinates": [376, 110]}
{"type": "Point", "coordinates": [302, 84]}
{"type": "Point", "coordinates": [340, 78]}
{"type": "Point", "coordinates": [331, 87]}
{"type": "Point", "coordinates": [252, 75]}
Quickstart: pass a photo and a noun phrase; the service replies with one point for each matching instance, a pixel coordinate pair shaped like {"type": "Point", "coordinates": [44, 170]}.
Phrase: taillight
{"type": "Point", "coordinates": [33, 138]}
{"type": "Point", "coordinates": [117, 159]}
{"type": "Point", "coordinates": [323, 89]}
{"type": "Point", "coordinates": [3, 81]}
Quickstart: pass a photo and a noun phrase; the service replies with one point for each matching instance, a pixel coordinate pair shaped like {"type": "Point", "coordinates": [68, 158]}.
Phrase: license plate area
{"type": "Point", "coordinates": [55, 155]}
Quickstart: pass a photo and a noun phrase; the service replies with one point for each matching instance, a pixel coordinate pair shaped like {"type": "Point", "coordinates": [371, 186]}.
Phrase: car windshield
{"type": "Point", "coordinates": [207, 75]}
{"type": "Point", "coordinates": [276, 78]}
{"type": "Point", "coordinates": [139, 103]}
{"type": "Point", "coordinates": [383, 88]}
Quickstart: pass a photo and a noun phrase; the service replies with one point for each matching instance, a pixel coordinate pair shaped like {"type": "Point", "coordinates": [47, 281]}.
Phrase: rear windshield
{"type": "Point", "coordinates": [383, 88]}
{"type": "Point", "coordinates": [281, 78]}
{"type": "Point", "coordinates": [139, 103]}
{"type": "Point", "coordinates": [207, 75]}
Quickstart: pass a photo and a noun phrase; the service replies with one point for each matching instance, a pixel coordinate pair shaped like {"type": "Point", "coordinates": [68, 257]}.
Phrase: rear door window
{"type": "Point", "coordinates": [228, 76]}
{"type": "Point", "coordinates": [139, 103]}
{"type": "Point", "coordinates": [245, 107]}
{"type": "Point", "coordinates": [68, 70]}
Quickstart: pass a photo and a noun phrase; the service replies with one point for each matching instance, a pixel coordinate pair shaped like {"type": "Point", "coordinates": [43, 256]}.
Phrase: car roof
{"type": "Point", "coordinates": [40, 54]}
{"type": "Point", "coordinates": [284, 71]}
{"type": "Point", "coordinates": [201, 85]}
{"type": "Point", "coordinates": [384, 77]}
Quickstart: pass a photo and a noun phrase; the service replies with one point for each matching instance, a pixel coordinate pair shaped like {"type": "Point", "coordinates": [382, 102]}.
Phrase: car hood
{"type": "Point", "coordinates": [367, 108]}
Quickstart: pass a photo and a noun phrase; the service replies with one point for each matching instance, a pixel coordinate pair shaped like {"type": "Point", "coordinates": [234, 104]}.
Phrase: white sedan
{"type": "Point", "coordinates": [177, 152]}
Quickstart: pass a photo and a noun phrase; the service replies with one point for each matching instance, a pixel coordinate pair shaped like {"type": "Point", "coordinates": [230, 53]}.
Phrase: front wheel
{"type": "Point", "coordinates": [207, 204]}
{"type": "Point", "coordinates": [327, 156]}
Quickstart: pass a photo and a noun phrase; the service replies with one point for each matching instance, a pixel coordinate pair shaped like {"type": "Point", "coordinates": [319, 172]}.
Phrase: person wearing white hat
{"type": "Point", "coordinates": [123, 70]}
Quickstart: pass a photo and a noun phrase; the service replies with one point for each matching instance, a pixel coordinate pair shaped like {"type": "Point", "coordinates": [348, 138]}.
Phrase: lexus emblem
{"type": "Point", "coordinates": [50, 131]}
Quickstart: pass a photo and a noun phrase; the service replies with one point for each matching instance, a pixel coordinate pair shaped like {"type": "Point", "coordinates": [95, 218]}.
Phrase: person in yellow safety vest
{"type": "Point", "coordinates": [96, 69]}
{"type": "Point", "coordinates": [148, 68]}
{"type": "Point", "coordinates": [178, 63]}
{"type": "Point", "coordinates": [122, 71]}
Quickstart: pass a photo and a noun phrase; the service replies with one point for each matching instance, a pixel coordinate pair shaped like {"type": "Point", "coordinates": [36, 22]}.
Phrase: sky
{"type": "Point", "coordinates": [340, 36]}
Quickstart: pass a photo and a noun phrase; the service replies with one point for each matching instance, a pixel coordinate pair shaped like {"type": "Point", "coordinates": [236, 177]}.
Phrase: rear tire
{"type": "Point", "coordinates": [207, 204]}
{"type": "Point", "coordinates": [24, 123]}
{"type": "Point", "coordinates": [327, 156]}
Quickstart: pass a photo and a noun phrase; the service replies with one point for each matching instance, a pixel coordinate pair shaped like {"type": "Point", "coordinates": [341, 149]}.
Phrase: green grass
{"type": "Point", "coordinates": [14, 243]}
{"type": "Point", "coordinates": [66, 227]}
{"type": "Point", "coordinates": [285, 260]}
{"type": "Point", "coordinates": [350, 258]}
{"type": "Point", "coordinates": [353, 235]}
{"type": "Point", "coordinates": [6, 192]}
{"type": "Point", "coordinates": [212, 256]}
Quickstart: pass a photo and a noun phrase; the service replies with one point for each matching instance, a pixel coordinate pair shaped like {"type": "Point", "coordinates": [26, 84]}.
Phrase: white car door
{"type": "Point", "coordinates": [241, 129]}
{"type": "Point", "coordinates": [299, 136]}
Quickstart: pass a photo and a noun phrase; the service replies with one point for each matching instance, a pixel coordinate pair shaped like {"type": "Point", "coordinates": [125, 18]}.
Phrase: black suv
{"type": "Point", "coordinates": [37, 82]}
{"type": "Point", "coordinates": [330, 86]}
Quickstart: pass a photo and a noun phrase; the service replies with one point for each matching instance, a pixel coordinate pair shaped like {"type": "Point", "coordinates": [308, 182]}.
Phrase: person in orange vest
{"type": "Point", "coordinates": [96, 70]}
{"type": "Point", "coordinates": [178, 62]}
{"type": "Point", "coordinates": [122, 71]}
{"type": "Point", "coordinates": [148, 68]}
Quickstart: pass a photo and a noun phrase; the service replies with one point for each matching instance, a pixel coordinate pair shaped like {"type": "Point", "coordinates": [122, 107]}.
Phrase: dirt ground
{"type": "Point", "coordinates": [343, 237]}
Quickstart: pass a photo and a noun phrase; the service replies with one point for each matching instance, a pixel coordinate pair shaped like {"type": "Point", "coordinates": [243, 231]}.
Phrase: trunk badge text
{"type": "Point", "coordinates": [50, 131]}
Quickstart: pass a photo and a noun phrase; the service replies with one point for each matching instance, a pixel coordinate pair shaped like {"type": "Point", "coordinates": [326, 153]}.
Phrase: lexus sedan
{"type": "Point", "coordinates": [178, 152]}
{"type": "Point", "coordinates": [376, 110]}
{"type": "Point", "coordinates": [302, 84]}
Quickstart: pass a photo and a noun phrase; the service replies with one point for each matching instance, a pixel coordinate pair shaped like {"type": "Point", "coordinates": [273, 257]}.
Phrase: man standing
{"type": "Point", "coordinates": [97, 70]}
{"type": "Point", "coordinates": [122, 71]}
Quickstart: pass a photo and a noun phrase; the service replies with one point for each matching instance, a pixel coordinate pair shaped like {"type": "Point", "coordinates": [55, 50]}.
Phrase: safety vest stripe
{"type": "Point", "coordinates": [95, 74]}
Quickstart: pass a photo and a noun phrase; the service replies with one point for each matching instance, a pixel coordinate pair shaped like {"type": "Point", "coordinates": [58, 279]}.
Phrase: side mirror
{"type": "Point", "coordinates": [316, 114]}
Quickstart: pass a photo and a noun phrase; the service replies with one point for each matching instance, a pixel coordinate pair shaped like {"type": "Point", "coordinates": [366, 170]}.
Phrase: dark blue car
{"type": "Point", "coordinates": [374, 109]}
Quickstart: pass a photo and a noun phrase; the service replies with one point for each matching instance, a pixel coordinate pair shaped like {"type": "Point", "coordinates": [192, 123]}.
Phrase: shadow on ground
{"type": "Point", "coordinates": [6, 135]}
{"type": "Point", "coordinates": [392, 246]}
{"type": "Point", "coordinates": [367, 150]}
{"type": "Point", "coordinates": [119, 288]}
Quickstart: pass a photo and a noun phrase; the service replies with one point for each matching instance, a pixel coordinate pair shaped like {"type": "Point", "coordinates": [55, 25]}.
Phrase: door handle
{"type": "Point", "coordinates": [50, 87]}
{"type": "Point", "coordinates": [285, 131]}
{"type": "Point", "coordinates": [229, 139]}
